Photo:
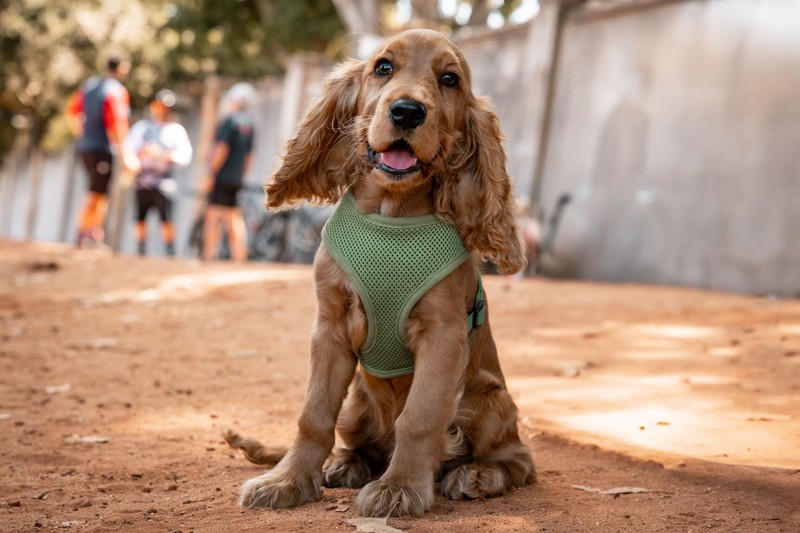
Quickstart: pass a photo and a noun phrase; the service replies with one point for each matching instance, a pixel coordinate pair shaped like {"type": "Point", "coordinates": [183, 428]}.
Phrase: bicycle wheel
{"type": "Point", "coordinates": [196, 238]}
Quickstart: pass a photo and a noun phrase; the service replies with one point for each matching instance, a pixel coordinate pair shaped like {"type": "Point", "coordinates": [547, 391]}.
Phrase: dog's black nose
{"type": "Point", "coordinates": [407, 114]}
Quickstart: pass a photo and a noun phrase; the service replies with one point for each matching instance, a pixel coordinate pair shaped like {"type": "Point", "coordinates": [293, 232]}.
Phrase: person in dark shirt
{"type": "Point", "coordinates": [98, 115]}
{"type": "Point", "coordinates": [230, 160]}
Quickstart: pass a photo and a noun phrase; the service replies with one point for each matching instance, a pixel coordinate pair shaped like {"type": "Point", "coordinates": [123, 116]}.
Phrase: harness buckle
{"type": "Point", "coordinates": [476, 316]}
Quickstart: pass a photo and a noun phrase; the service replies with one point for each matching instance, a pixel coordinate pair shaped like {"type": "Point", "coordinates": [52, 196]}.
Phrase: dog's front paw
{"type": "Point", "coordinates": [278, 489]}
{"type": "Point", "coordinates": [474, 480]}
{"type": "Point", "coordinates": [385, 498]}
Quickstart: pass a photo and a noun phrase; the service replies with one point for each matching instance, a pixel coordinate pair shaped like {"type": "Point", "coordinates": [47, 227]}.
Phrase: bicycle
{"type": "Point", "coordinates": [286, 236]}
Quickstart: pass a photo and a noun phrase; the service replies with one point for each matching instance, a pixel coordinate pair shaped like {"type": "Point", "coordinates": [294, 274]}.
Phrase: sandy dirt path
{"type": "Point", "coordinates": [117, 375]}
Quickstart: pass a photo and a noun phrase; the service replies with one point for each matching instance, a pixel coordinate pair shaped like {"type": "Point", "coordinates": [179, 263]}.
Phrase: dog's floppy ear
{"type": "Point", "coordinates": [319, 161]}
{"type": "Point", "coordinates": [481, 197]}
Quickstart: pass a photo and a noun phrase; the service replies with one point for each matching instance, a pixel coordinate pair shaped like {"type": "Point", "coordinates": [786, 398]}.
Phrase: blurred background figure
{"type": "Point", "coordinates": [539, 235]}
{"type": "Point", "coordinates": [229, 161]}
{"type": "Point", "coordinates": [160, 145]}
{"type": "Point", "coordinates": [98, 115]}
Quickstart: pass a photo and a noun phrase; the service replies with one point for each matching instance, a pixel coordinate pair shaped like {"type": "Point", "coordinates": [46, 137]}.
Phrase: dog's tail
{"type": "Point", "coordinates": [253, 451]}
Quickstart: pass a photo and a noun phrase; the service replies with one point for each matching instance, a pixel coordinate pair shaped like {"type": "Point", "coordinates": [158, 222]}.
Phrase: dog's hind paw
{"type": "Point", "coordinates": [385, 498]}
{"type": "Point", "coordinates": [347, 468]}
{"type": "Point", "coordinates": [474, 480]}
{"type": "Point", "coordinates": [277, 489]}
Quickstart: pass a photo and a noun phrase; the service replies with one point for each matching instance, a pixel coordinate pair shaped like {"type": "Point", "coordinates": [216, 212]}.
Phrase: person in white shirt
{"type": "Point", "coordinates": [161, 145]}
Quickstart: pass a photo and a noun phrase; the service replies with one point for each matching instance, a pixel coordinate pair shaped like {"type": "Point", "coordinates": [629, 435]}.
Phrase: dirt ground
{"type": "Point", "coordinates": [646, 409]}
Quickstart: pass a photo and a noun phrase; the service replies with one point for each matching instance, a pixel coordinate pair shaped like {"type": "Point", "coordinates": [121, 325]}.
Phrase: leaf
{"type": "Point", "coordinates": [614, 491]}
{"type": "Point", "coordinates": [58, 389]}
{"type": "Point", "coordinates": [337, 507]}
{"type": "Point", "coordinates": [91, 439]}
{"type": "Point", "coordinates": [243, 354]}
{"type": "Point", "coordinates": [103, 344]}
{"type": "Point", "coordinates": [43, 495]}
{"type": "Point", "coordinates": [768, 417]}
{"type": "Point", "coordinates": [373, 525]}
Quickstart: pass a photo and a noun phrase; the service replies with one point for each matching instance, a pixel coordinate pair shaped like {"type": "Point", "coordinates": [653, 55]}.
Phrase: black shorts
{"type": "Point", "coordinates": [98, 167]}
{"type": "Point", "coordinates": [147, 198]}
{"type": "Point", "coordinates": [224, 195]}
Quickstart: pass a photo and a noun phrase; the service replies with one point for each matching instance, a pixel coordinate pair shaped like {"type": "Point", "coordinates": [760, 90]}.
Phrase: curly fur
{"type": "Point", "coordinates": [452, 420]}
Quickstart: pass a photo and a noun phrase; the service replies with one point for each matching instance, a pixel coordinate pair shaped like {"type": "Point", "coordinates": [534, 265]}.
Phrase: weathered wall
{"type": "Point", "coordinates": [497, 61]}
{"type": "Point", "coordinates": [677, 129]}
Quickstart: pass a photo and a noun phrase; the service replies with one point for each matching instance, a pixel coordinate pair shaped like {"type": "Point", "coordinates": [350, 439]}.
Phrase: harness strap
{"type": "Point", "coordinates": [477, 316]}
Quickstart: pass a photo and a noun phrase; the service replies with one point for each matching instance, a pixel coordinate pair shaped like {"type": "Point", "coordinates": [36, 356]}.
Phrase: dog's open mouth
{"type": "Point", "coordinates": [398, 159]}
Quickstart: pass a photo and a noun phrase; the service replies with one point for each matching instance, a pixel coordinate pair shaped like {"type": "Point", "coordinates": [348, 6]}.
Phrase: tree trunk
{"type": "Point", "coordinates": [425, 12]}
{"type": "Point", "coordinates": [118, 199]}
{"type": "Point", "coordinates": [69, 193]}
{"type": "Point", "coordinates": [9, 180]}
{"type": "Point", "coordinates": [544, 36]}
{"type": "Point", "coordinates": [37, 160]}
{"type": "Point", "coordinates": [209, 104]}
{"type": "Point", "coordinates": [480, 12]}
{"type": "Point", "coordinates": [359, 16]}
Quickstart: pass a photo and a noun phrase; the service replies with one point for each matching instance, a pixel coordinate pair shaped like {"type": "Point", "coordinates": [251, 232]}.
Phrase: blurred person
{"type": "Point", "coordinates": [229, 161]}
{"type": "Point", "coordinates": [539, 234]}
{"type": "Point", "coordinates": [98, 115]}
{"type": "Point", "coordinates": [160, 145]}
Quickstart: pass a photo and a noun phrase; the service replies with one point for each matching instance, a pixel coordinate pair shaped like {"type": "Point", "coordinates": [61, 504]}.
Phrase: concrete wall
{"type": "Point", "coordinates": [677, 130]}
{"type": "Point", "coordinates": [675, 126]}
{"type": "Point", "coordinates": [497, 60]}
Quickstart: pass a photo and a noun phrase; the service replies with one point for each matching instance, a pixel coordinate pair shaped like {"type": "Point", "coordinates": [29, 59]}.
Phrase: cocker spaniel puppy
{"type": "Point", "coordinates": [403, 364]}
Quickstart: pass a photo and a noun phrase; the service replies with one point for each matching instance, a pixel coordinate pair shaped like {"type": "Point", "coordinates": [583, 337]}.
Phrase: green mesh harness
{"type": "Point", "coordinates": [393, 262]}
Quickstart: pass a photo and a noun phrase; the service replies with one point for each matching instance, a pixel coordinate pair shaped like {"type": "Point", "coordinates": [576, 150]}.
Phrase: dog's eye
{"type": "Point", "coordinates": [384, 68]}
{"type": "Point", "coordinates": [449, 79]}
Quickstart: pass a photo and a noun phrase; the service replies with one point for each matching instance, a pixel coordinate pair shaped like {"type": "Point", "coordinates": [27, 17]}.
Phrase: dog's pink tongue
{"type": "Point", "coordinates": [398, 159]}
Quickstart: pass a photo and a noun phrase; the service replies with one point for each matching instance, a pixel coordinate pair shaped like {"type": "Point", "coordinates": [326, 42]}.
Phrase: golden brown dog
{"type": "Point", "coordinates": [406, 136]}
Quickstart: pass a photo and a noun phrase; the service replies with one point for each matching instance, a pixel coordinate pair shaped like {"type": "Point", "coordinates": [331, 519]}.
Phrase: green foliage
{"type": "Point", "coordinates": [48, 47]}
{"type": "Point", "coordinates": [508, 7]}
{"type": "Point", "coordinates": [304, 25]}
{"type": "Point", "coordinates": [243, 38]}
{"type": "Point", "coordinates": [205, 37]}
{"type": "Point", "coordinates": [484, 7]}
